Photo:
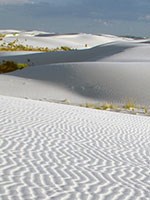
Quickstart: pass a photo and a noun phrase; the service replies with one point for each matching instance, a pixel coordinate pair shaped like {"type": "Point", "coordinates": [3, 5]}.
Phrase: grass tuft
{"type": "Point", "coordinates": [2, 36]}
{"type": "Point", "coordinates": [130, 105]}
{"type": "Point", "coordinates": [108, 106]}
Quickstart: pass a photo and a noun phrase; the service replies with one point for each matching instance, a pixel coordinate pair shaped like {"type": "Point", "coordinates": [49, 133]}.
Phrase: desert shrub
{"type": "Point", "coordinates": [9, 66]}
{"type": "Point", "coordinates": [64, 48]}
{"type": "Point", "coordinates": [89, 105]}
{"type": "Point", "coordinates": [130, 105]}
{"type": "Point", "coordinates": [145, 110]}
{"type": "Point", "coordinates": [2, 36]}
{"type": "Point", "coordinates": [108, 106]}
{"type": "Point", "coordinates": [15, 34]}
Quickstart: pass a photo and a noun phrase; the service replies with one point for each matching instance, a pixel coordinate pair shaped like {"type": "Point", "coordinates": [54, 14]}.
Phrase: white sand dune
{"type": "Point", "coordinates": [15, 53]}
{"type": "Point", "coordinates": [41, 90]}
{"type": "Point", "coordinates": [51, 40]}
{"type": "Point", "coordinates": [95, 54]}
{"type": "Point", "coordinates": [82, 82]}
{"type": "Point", "coordinates": [116, 72]}
{"type": "Point", "coordinates": [53, 151]}
{"type": "Point", "coordinates": [139, 53]}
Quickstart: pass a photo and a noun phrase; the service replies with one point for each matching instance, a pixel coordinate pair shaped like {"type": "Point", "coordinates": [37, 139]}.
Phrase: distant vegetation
{"type": "Point", "coordinates": [2, 36]}
{"type": "Point", "coordinates": [130, 105]}
{"type": "Point", "coordinates": [105, 106]}
{"type": "Point", "coordinates": [14, 46]}
{"type": "Point", "coordinates": [64, 48]}
{"type": "Point", "coordinates": [9, 66]}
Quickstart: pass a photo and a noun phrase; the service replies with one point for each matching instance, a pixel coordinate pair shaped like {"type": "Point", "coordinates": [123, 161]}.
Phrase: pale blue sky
{"type": "Point", "coordinates": [121, 17]}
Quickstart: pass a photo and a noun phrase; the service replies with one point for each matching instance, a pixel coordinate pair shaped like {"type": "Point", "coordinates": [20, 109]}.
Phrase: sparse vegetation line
{"type": "Point", "coordinates": [128, 107]}
{"type": "Point", "coordinates": [14, 46]}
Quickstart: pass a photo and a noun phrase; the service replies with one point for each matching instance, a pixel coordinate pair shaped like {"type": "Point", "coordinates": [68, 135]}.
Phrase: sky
{"type": "Point", "coordinates": [118, 17]}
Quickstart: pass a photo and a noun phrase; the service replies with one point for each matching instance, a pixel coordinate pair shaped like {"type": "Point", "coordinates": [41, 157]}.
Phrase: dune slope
{"type": "Point", "coordinates": [82, 82]}
{"type": "Point", "coordinates": [117, 70]}
{"type": "Point", "coordinates": [52, 151]}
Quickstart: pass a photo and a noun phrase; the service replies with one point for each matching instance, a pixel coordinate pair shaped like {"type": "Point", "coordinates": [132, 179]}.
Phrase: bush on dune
{"type": "Point", "coordinates": [9, 66]}
{"type": "Point", "coordinates": [65, 48]}
{"type": "Point", "coordinates": [2, 36]}
{"type": "Point", "coordinates": [130, 105]}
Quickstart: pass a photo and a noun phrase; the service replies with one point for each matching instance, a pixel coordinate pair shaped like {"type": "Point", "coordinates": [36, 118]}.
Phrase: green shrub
{"type": "Point", "coordinates": [64, 48]}
{"type": "Point", "coordinates": [9, 66]}
{"type": "Point", "coordinates": [2, 36]}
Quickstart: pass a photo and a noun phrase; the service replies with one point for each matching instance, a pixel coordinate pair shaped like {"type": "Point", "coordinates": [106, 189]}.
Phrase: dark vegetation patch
{"type": "Point", "coordinates": [9, 66]}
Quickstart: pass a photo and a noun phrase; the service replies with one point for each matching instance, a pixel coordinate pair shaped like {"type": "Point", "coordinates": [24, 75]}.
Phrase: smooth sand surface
{"type": "Point", "coordinates": [82, 82]}
{"type": "Point", "coordinates": [115, 72]}
{"type": "Point", "coordinates": [54, 151]}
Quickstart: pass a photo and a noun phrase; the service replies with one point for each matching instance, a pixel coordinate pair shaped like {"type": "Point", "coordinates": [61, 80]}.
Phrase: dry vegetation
{"type": "Point", "coordinates": [14, 46]}
{"type": "Point", "coordinates": [2, 36]}
{"type": "Point", "coordinates": [9, 66]}
{"type": "Point", "coordinates": [128, 107]}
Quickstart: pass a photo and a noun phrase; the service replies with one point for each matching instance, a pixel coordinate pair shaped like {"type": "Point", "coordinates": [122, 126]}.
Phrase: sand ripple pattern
{"type": "Point", "coordinates": [58, 152]}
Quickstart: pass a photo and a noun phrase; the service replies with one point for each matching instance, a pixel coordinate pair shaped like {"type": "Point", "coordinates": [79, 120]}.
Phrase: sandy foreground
{"type": "Point", "coordinates": [52, 151]}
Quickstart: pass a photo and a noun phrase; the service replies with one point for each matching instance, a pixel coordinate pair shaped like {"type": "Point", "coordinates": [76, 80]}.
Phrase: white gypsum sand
{"type": "Point", "coordinates": [54, 151]}
{"type": "Point", "coordinates": [81, 82]}
{"type": "Point", "coordinates": [52, 40]}
{"type": "Point", "coordinates": [113, 72]}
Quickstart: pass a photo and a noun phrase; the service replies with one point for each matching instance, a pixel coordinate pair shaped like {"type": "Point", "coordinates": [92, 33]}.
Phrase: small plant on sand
{"type": "Point", "coordinates": [89, 105]}
{"type": "Point", "coordinates": [130, 105]}
{"type": "Point", "coordinates": [108, 106]}
{"type": "Point", "coordinates": [2, 36]}
{"type": "Point", "coordinates": [64, 48]}
{"type": "Point", "coordinates": [9, 66]}
{"type": "Point", "coordinates": [15, 34]}
{"type": "Point", "coordinates": [145, 110]}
